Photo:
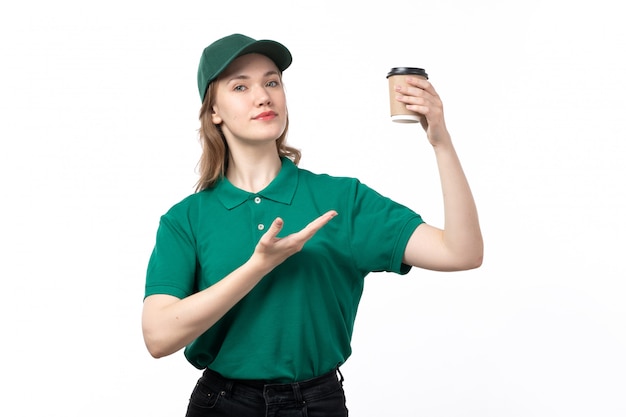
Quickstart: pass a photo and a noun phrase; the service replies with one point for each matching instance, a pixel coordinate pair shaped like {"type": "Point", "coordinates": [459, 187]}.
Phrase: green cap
{"type": "Point", "coordinates": [217, 56]}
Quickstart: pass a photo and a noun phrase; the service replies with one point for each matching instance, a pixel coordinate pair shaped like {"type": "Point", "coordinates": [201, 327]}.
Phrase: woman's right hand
{"type": "Point", "coordinates": [272, 250]}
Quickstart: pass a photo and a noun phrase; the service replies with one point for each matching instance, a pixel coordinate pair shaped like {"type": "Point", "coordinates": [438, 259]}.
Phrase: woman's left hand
{"type": "Point", "coordinates": [420, 96]}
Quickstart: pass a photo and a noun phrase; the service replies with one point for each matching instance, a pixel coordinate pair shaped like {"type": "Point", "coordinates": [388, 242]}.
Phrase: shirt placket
{"type": "Point", "coordinates": [259, 213]}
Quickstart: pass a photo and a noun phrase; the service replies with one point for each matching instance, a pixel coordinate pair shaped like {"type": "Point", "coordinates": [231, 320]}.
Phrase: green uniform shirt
{"type": "Point", "coordinates": [297, 322]}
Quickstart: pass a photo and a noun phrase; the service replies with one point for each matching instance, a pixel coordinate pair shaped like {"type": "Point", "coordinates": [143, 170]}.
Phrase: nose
{"type": "Point", "coordinates": [262, 97]}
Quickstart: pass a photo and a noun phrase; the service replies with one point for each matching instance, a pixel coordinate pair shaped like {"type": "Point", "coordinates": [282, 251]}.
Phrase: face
{"type": "Point", "coordinates": [250, 103]}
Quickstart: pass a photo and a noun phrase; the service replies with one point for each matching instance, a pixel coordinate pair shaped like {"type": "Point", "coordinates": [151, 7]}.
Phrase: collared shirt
{"type": "Point", "coordinates": [297, 322]}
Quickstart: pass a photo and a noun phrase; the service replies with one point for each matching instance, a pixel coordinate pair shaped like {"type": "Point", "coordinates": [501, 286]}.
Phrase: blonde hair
{"type": "Point", "coordinates": [214, 159]}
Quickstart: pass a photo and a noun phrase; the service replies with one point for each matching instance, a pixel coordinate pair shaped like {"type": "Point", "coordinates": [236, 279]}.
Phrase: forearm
{"type": "Point", "coordinates": [461, 235]}
{"type": "Point", "coordinates": [169, 323]}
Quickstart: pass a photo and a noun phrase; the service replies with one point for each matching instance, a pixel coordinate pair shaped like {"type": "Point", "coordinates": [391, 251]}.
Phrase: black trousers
{"type": "Point", "coordinates": [217, 396]}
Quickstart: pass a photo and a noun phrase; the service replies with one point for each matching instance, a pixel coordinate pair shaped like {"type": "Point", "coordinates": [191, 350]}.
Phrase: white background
{"type": "Point", "coordinates": [98, 119]}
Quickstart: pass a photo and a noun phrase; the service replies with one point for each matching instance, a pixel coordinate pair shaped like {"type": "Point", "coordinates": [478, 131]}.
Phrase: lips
{"type": "Point", "coordinates": [266, 115]}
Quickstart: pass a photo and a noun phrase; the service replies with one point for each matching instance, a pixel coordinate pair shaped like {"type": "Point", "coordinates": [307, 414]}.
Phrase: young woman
{"type": "Point", "coordinates": [259, 273]}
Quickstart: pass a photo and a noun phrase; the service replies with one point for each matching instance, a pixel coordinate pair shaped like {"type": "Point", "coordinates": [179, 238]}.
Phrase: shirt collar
{"type": "Point", "coordinates": [281, 189]}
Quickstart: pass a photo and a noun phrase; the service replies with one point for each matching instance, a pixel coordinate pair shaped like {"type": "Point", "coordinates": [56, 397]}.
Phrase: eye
{"type": "Point", "coordinates": [239, 88]}
{"type": "Point", "coordinates": [272, 84]}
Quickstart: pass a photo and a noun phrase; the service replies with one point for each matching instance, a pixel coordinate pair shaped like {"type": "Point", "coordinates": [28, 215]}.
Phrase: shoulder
{"type": "Point", "coordinates": [344, 187]}
{"type": "Point", "coordinates": [327, 180]}
{"type": "Point", "coordinates": [191, 204]}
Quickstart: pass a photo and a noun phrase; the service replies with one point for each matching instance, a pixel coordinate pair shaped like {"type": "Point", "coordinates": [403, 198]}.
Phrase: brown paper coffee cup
{"type": "Point", "coordinates": [397, 76]}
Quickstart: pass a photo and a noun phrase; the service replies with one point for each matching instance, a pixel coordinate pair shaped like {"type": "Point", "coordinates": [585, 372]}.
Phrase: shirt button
{"type": "Point", "coordinates": [260, 227]}
{"type": "Point", "coordinates": [257, 200]}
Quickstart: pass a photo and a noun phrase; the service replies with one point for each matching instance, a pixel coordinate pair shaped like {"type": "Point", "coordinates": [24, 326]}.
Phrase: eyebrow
{"type": "Point", "coordinates": [247, 77]}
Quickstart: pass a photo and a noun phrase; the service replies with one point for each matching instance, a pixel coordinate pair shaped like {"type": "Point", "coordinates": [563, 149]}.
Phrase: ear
{"type": "Point", "coordinates": [215, 118]}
